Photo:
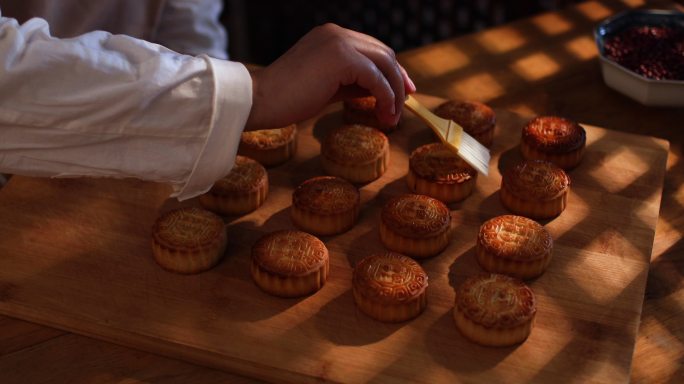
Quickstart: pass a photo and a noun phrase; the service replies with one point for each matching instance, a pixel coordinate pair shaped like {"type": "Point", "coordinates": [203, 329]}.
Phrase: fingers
{"type": "Point", "coordinates": [385, 61]}
{"type": "Point", "coordinates": [368, 76]}
{"type": "Point", "coordinates": [383, 57]}
{"type": "Point", "coordinates": [410, 87]}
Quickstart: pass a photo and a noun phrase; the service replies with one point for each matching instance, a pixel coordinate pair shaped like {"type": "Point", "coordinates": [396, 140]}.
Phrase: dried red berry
{"type": "Point", "coordinates": [656, 52]}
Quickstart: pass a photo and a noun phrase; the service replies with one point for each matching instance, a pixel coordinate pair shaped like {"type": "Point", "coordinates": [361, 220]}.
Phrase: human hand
{"type": "Point", "coordinates": [328, 64]}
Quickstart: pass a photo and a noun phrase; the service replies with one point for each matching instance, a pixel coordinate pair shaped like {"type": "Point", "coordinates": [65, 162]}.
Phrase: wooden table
{"type": "Point", "coordinates": [542, 65]}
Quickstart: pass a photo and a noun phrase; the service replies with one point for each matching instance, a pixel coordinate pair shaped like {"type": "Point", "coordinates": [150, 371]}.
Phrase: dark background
{"type": "Point", "coordinates": [262, 30]}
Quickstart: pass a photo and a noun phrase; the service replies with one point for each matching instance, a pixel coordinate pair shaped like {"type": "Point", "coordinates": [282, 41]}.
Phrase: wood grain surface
{"type": "Point", "coordinates": [76, 256]}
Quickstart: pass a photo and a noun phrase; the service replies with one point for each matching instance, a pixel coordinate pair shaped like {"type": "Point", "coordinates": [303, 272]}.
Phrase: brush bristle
{"type": "Point", "coordinates": [474, 153]}
{"type": "Point", "coordinates": [453, 136]}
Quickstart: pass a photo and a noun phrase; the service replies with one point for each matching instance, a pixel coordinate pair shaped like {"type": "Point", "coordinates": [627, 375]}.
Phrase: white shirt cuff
{"type": "Point", "coordinates": [232, 102]}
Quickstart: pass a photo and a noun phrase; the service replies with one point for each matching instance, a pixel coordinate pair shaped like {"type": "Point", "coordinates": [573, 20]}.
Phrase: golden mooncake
{"type": "Point", "coordinates": [536, 189]}
{"type": "Point", "coordinates": [241, 191]}
{"type": "Point", "coordinates": [554, 139]}
{"type": "Point", "coordinates": [495, 310]}
{"type": "Point", "coordinates": [390, 287]}
{"type": "Point", "coordinates": [436, 171]}
{"type": "Point", "coordinates": [188, 240]}
{"type": "Point", "coordinates": [477, 119]}
{"type": "Point", "coordinates": [289, 263]}
{"type": "Point", "coordinates": [415, 225]}
{"type": "Point", "coordinates": [325, 205]}
{"type": "Point", "coordinates": [515, 246]}
{"type": "Point", "coordinates": [270, 147]}
{"type": "Point", "coordinates": [357, 153]}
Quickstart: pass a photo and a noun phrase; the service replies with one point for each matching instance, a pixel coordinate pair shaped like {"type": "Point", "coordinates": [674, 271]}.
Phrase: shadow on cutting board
{"type": "Point", "coordinates": [327, 123]}
{"type": "Point", "coordinates": [362, 331]}
{"type": "Point", "coordinates": [443, 336]}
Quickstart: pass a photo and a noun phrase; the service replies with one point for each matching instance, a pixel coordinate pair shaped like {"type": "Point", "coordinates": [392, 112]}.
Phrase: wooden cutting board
{"type": "Point", "coordinates": [75, 254]}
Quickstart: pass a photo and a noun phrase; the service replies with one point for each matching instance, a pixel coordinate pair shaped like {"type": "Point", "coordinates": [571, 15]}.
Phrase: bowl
{"type": "Point", "coordinates": [648, 91]}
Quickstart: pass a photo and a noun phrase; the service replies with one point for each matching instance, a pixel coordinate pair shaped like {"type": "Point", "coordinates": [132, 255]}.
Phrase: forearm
{"type": "Point", "coordinates": [104, 105]}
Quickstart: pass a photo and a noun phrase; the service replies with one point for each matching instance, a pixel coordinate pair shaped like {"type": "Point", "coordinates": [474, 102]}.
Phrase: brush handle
{"type": "Point", "coordinates": [453, 136]}
{"type": "Point", "coordinates": [448, 131]}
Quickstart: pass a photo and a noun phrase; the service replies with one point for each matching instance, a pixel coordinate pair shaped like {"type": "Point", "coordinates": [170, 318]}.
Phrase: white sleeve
{"type": "Point", "coordinates": [111, 105]}
{"type": "Point", "coordinates": [193, 27]}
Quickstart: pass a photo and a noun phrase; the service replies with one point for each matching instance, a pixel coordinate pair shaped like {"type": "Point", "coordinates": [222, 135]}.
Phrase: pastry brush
{"type": "Point", "coordinates": [453, 136]}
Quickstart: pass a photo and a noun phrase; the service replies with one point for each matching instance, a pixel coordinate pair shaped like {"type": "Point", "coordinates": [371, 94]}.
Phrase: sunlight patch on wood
{"type": "Point", "coordinates": [629, 164]}
{"type": "Point", "coordinates": [582, 48]}
{"type": "Point", "coordinates": [593, 10]}
{"type": "Point", "coordinates": [482, 86]}
{"type": "Point", "coordinates": [655, 352]}
{"type": "Point", "coordinates": [535, 66]}
{"type": "Point", "coordinates": [667, 236]}
{"type": "Point", "coordinates": [437, 62]}
{"type": "Point", "coordinates": [500, 40]}
{"type": "Point", "coordinates": [552, 23]}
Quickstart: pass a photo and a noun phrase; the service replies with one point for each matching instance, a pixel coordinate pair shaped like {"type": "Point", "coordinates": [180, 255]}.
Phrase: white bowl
{"type": "Point", "coordinates": [664, 93]}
